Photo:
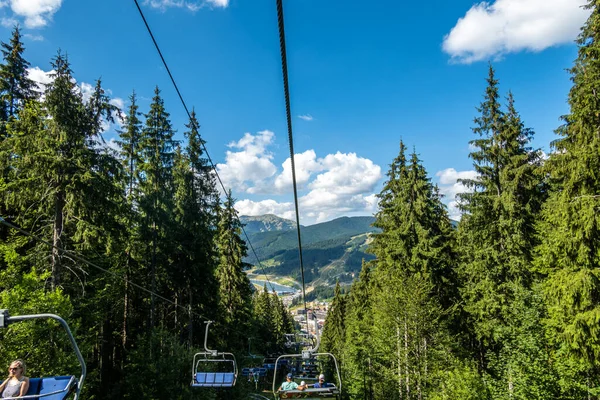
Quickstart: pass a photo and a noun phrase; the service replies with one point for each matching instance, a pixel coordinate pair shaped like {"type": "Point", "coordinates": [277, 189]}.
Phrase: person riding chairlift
{"type": "Point", "coordinates": [322, 384]}
{"type": "Point", "coordinates": [289, 384]}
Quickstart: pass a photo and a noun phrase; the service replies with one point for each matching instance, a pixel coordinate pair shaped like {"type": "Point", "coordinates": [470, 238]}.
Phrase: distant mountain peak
{"type": "Point", "coordinates": [266, 223]}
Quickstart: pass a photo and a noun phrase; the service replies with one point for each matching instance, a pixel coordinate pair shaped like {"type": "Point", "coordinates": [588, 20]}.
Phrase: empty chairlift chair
{"type": "Point", "coordinates": [53, 387]}
{"type": "Point", "coordinates": [212, 368]}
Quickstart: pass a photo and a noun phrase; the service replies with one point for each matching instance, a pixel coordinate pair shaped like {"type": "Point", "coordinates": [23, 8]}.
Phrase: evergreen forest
{"type": "Point", "coordinates": [136, 249]}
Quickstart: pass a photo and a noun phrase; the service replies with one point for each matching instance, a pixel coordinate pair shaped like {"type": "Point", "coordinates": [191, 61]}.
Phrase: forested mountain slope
{"type": "Point", "coordinates": [331, 250]}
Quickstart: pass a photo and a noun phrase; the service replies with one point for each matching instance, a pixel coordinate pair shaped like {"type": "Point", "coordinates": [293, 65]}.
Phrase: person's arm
{"type": "Point", "coordinates": [24, 387]}
{"type": "Point", "coordinates": [3, 385]}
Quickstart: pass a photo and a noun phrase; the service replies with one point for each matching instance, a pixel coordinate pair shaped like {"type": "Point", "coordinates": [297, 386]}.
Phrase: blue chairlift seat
{"type": "Point", "coordinates": [214, 379]}
{"type": "Point", "coordinates": [51, 388]}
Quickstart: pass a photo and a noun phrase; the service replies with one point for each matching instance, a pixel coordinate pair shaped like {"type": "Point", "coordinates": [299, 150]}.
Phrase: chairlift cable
{"type": "Point", "coordinates": [201, 142]}
{"type": "Point", "coordinates": [288, 111]}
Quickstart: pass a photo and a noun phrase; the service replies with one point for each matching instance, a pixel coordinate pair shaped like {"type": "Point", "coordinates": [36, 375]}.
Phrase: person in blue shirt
{"type": "Point", "coordinates": [322, 384]}
{"type": "Point", "coordinates": [289, 384]}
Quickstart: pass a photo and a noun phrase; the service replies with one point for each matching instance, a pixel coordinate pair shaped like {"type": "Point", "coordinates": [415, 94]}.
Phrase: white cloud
{"type": "Point", "coordinates": [40, 77]}
{"type": "Point", "coordinates": [35, 38]}
{"type": "Point", "coordinates": [252, 164]}
{"type": "Point", "coordinates": [336, 185]}
{"type": "Point", "coordinates": [490, 30]}
{"type": "Point", "coordinates": [8, 22]}
{"type": "Point", "coordinates": [36, 13]}
{"type": "Point", "coordinates": [118, 102]}
{"type": "Point", "coordinates": [306, 117]}
{"type": "Point", "coordinates": [218, 3]}
{"type": "Point", "coordinates": [347, 174]}
{"type": "Point", "coordinates": [305, 165]}
{"type": "Point", "coordinates": [450, 187]}
{"type": "Point", "coordinates": [87, 90]}
{"type": "Point", "coordinates": [191, 5]}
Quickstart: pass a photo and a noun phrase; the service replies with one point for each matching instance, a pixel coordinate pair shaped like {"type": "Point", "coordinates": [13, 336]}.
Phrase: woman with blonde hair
{"type": "Point", "coordinates": [17, 383]}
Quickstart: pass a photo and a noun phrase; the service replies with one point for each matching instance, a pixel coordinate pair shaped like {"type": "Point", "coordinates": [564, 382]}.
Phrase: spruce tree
{"type": "Point", "coordinates": [234, 286]}
{"type": "Point", "coordinates": [156, 186]}
{"type": "Point", "coordinates": [570, 226]}
{"type": "Point", "coordinates": [15, 86]}
{"type": "Point", "coordinates": [358, 351]}
{"type": "Point", "coordinates": [414, 255]}
{"type": "Point", "coordinates": [334, 329]}
{"type": "Point", "coordinates": [496, 238]}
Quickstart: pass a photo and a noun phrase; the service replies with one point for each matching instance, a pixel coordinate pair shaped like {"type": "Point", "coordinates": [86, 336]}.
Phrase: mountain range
{"type": "Point", "coordinates": [331, 251]}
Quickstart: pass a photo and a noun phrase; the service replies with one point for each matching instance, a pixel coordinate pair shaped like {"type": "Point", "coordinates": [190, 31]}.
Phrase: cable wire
{"type": "Point", "coordinates": [198, 127]}
{"type": "Point", "coordinates": [288, 111]}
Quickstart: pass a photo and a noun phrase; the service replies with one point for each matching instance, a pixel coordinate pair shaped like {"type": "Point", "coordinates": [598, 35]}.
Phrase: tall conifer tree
{"type": "Point", "coordinates": [496, 238]}
{"type": "Point", "coordinates": [570, 226]}
{"type": "Point", "coordinates": [15, 86]}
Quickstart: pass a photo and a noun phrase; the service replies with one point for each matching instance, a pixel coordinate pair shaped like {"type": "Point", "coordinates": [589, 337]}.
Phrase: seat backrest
{"type": "Point", "coordinates": [53, 384]}
{"type": "Point", "coordinates": [228, 379]}
{"type": "Point", "coordinates": [34, 386]}
{"type": "Point", "coordinates": [210, 378]}
{"type": "Point", "coordinates": [200, 377]}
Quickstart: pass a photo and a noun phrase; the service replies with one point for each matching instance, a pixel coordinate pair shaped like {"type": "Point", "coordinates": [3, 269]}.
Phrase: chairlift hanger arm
{"type": "Point", "coordinates": [6, 319]}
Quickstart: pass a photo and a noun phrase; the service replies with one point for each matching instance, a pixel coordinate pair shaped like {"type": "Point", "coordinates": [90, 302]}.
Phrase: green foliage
{"type": "Point", "coordinates": [461, 382]}
{"type": "Point", "coordinates": [569, 229]}
{"type": "Point", "coordinates": [496, 237]}
{"type": "Point", "coordinates": [42, 344]}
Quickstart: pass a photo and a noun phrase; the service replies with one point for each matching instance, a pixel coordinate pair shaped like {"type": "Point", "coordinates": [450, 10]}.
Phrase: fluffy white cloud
{"type": "Point", "coordinates": [490, 30]}
{"type": "Point", "coordinates": [40, 77]}
{"type": "Point", "coordinates": [306, 117]}
{"type": "Point", "coordinates": [192, 5]}
{"type": "Point", "coordinates": [305, 165]}
{"type": "Point", "coordinates": [252, 164]}
{"type": "Point", "coordinates": [347, 174]}
{"type": "Point", "coordinates": [36, 13]}
{"type": "Point", "coordinates": [450, 187]}
{"type": "Point", "coordinates": [336, 185]}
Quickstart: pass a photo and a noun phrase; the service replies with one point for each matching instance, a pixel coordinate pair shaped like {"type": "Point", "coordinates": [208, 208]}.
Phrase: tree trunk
{"type": "Point", "coordinates": [406, 360]}
{"type": "Point", "coordinates": [59, 206]}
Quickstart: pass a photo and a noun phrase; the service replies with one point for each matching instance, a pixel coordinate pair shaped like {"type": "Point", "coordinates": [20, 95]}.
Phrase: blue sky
{"type": "Point", "coordinates": [363, 75]}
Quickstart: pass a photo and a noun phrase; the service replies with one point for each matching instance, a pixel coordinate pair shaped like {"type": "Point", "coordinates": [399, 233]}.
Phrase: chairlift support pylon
{"type": "Point", "coordinates": [214, 379]}
{"type": "Point", "coordinates": [55, 387]}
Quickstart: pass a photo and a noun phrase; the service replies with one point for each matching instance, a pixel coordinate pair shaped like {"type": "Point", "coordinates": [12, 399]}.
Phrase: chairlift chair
{"type": "Point", "coordinates": [54, 387]}
{"type": "Point", "coordinates": [332, 391]}
{"type": "Point", "coordinates": [307, 358]}
{"type": "Point", "coordinates": [222, 375]}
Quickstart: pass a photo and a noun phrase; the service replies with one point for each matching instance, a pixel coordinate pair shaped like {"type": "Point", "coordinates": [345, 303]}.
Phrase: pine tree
{"type": "Point", "coordinates": [334, 330]}
{"type": "Point", "coordinates": [414, 256]}
{"type": "Point", "coordinates": [570, 225]}
{"type": "Point", "coordinates": [234, 286]}
{"type": "Point", "coordinates": [358, 351]}
{"type": "Point", "coordinates": [15, 87]}
{"type": "Point", "coordinates": [496, 238]}
{"type": "Point", "coordinates": [156, 186]}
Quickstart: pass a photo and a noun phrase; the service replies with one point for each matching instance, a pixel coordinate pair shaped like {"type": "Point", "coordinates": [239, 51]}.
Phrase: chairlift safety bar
{"type": "Point", "coordinates": [6, 319]}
